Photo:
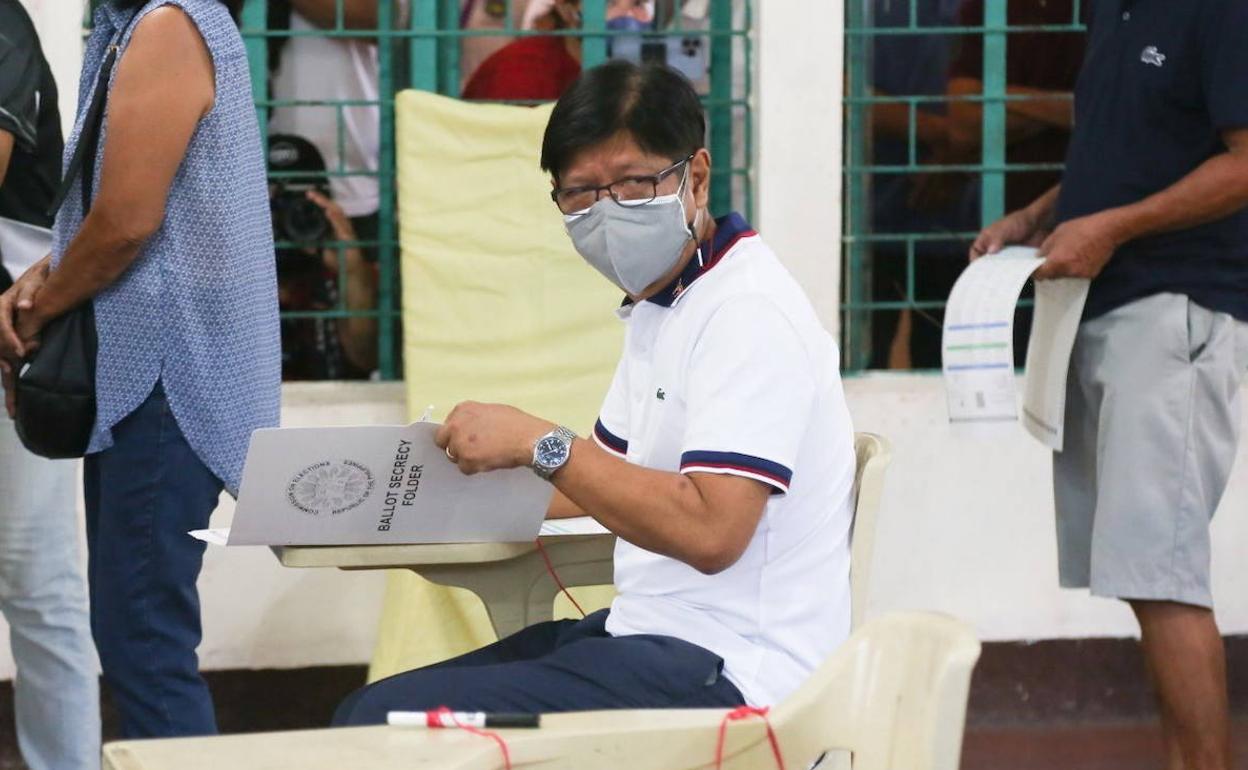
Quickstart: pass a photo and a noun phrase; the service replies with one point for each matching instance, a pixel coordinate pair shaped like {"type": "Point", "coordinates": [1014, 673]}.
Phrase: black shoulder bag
{"type": "Point", "coordinates": [56, 386]}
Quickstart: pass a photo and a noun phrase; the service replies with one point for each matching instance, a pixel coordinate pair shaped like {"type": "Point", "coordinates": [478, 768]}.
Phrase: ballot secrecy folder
{"type": "Point", "coordinates": [373, 485]}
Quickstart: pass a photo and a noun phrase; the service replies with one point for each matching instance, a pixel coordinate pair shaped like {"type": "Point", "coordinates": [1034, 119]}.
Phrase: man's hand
{"type": "Point", "coordinates": [490, 437]}
{"type": "Point", "coordinates": [1020, 227]}
{"type": "Point", "coordinates": [1078, 248]}
{"type": "Point", "coordinates": [16, 332]}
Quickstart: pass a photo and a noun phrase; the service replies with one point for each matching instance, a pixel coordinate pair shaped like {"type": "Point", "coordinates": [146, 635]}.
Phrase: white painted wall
{"type": "Point", "coordinates": [798, 109]}
{"type": "Point", "coordinates": [59, 24]}
{"type": "Point", "coordinates": [966, 525]}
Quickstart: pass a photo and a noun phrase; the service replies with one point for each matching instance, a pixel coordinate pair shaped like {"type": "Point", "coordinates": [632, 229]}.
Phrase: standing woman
{"type": "Point", "coordinates": [176, 253]}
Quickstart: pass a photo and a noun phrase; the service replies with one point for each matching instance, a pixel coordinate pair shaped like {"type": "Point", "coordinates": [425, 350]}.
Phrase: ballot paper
{"type": "Point", "coordinates": [978, 344]}
{"type": "Point", "coordinates": [1059, 308]}
{"type": "Point", "coordinates": [377, 484]}
{"type": "Point", "coordinates": [22, 245]}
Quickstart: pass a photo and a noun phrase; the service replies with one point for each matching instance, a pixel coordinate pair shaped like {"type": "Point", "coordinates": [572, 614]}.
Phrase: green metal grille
{"type": "Point", "coordinates": [419, 47]}
{"type": "Point", "coordinates": [861, 306]}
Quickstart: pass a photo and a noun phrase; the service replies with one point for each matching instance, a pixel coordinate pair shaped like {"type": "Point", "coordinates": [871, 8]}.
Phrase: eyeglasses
{"type": "Point", "coordinates": [629, 191]}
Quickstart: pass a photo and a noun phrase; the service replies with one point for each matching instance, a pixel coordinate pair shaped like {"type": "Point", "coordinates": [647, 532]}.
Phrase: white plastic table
{"type": "Point", "coordinates": [511, 578]}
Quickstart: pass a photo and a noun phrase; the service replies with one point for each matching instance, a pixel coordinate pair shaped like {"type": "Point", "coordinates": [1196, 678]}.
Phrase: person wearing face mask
{"type": "Point", "coordinates": [541, 67]}
{"type": "Point", "coordinates": [723, 457]}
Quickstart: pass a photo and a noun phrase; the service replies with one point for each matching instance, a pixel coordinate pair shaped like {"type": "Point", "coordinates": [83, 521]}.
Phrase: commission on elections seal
{"type": "Point", "coordinates": [331, 486]}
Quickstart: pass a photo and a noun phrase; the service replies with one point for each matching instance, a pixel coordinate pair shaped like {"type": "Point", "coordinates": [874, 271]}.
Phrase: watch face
{"type": "Point", "coordinates": [551, 452]}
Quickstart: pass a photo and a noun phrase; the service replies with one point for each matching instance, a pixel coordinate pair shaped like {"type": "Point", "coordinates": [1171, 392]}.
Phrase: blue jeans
{"type": "Point", "coordinates": [143, 495]}
{"type": "Point", "coordinates": [562, 665]}
{"type": "Point", "coordinates": [44, 600]}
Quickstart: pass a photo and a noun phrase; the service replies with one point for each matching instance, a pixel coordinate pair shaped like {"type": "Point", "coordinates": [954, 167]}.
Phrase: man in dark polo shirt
{"type": "Point", "coordinates": [1152, 208]}
{"type": "Point", "coordinates": [42, 592]}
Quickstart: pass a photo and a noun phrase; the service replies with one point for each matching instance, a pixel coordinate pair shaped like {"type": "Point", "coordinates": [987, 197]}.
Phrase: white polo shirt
{"type": "Point", "coordinates": [729, 371]}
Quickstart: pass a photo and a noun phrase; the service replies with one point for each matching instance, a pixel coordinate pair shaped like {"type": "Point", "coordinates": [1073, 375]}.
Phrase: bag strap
{"type": "Point", "coordinates": [83, 159]}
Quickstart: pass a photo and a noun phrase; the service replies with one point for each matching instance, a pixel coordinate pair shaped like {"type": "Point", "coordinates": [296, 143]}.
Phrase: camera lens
{"type": "Point", "coordinates": [303, 221]}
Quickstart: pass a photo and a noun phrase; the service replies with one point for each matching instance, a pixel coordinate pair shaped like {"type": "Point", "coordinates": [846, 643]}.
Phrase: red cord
{"type": "Point", "coordinates": [502, 744]}
{"type": "Point", "coordinates": [551, 569]}
{"type": "Point", "coordinates": [745, 712]}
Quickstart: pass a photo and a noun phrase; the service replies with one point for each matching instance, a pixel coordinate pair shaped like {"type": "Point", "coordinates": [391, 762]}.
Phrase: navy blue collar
{"type": "Point", "coordinates": [728, 230]}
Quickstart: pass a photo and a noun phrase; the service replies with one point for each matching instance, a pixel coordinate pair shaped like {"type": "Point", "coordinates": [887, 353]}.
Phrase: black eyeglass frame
{"type": "Point", "coordinates": [654, 179]}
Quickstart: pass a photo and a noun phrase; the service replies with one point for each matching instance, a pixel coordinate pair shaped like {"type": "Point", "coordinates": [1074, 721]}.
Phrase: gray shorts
{"type": "Point", "coordinates": [1152, 426]}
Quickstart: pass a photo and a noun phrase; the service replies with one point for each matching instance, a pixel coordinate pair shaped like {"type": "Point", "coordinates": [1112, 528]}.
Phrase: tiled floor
{"type": "Point", "coordinates": [1116, 747]}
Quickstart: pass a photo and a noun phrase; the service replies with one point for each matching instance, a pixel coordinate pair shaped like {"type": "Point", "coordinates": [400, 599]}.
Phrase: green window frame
{"type": "Point", "coordinates": [858, 305]}
{"type": "Point", "coordinates": [422, 51]}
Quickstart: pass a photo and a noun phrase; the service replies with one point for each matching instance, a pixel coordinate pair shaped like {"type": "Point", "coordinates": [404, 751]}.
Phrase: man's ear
{"type": "Point", "coordinates": [700, 178]}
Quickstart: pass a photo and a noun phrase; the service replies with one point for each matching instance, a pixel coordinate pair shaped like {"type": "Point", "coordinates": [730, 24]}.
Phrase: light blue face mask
{"type": "Point", "coordinates": [633, 246]}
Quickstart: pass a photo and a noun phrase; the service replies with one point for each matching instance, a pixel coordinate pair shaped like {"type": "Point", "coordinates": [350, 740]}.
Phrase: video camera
{"type": "Point", "coordinates": [295, 218]}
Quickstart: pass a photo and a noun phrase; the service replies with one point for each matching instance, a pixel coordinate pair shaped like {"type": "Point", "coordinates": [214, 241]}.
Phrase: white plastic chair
{"type": "Point", "coordinates": [873, 455]}
{"type": "Point", "coordinates": [894, 695]}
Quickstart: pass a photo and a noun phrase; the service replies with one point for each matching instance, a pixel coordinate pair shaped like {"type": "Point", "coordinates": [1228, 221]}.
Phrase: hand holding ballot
{"type": "Point", "coordinates": [1078, 248]}
{"type": "Point", "coordinates": [487, 437]}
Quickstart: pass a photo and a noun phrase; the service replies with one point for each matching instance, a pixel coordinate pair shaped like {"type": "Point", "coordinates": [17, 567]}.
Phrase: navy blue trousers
{"type": "Point", "coordinates": [563, 665]}
{"type": "Point", "coordinates": [143, 495]}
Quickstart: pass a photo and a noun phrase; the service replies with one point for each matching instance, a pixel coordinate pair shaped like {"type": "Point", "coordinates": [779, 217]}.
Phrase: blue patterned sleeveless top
{"type": "Point", "coordinates": [197, 310]}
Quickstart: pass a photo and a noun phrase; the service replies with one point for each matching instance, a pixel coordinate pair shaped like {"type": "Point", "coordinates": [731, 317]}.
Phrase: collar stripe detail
{"type": "Point", "coordinates": [756, 468]}
{"type": "Point", "coordinates": [729, 231]}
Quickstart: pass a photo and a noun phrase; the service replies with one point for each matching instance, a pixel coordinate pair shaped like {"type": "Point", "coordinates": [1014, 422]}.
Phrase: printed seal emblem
{"type": "Point", "coordinates": [330, 486]}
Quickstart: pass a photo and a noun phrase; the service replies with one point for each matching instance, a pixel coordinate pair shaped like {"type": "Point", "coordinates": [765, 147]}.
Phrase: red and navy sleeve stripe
{"type": "Point", "coordinates": [736, 464]}
{"type": "Point", "coordinates": [609, 441]}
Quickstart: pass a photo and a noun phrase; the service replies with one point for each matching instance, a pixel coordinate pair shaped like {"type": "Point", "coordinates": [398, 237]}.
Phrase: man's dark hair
{"type": "Point", "coordinates": [655, 104]}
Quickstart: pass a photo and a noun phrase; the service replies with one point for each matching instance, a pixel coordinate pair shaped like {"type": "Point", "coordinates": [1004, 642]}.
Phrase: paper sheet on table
{"type": "Point", "coordinates": [978, 344]}
{"type": "Point", "coordinates": [579, 525]}
{"type": "Point", "coordinates": [22, 245]}
{"type": "Point", "coordinates": [377, 484]}
{"type": "Point", "coordinates": [219, 536]}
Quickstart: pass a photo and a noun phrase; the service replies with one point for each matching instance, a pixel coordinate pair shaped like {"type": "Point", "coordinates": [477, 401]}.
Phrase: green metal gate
{"type": "Point", "coordinates": [422, 51]}
{"type": "Point", "coordinates": [860, 308]}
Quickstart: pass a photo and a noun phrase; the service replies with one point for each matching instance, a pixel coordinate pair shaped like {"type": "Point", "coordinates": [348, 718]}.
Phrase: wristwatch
{"type": "Point", "coordinates": [551, 452]}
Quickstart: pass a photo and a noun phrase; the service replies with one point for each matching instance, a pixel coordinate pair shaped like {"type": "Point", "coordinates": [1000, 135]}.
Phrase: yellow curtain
{"type": "Point", "coordinates": [497, 307]}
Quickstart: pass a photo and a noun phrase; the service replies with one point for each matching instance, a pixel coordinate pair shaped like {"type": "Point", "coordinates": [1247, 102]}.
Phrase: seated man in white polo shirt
{"type": "Point", "coordinates": [723, 457]}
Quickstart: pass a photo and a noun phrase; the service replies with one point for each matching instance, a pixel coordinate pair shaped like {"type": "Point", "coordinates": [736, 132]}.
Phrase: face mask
{"type": "Point", "coordinates": [633, 247]}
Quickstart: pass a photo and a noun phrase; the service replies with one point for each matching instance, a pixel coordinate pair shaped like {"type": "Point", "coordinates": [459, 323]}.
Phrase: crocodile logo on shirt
{"type": "Point", "coordinates": [1150, 55]}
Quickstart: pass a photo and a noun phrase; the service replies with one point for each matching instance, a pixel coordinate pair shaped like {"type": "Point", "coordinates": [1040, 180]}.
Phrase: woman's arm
{"type": "Point", "coordinates": [163, 87]}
